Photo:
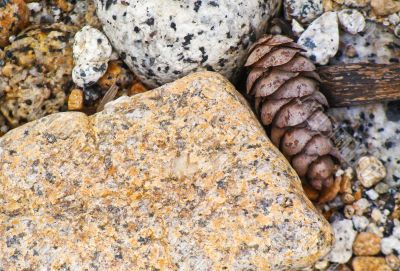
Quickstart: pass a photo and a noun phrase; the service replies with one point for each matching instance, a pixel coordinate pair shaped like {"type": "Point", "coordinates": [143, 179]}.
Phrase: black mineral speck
{"type": "Point", "coordinates": [150, 21]}
{"type": "Point", "coordinates": [197, 5]}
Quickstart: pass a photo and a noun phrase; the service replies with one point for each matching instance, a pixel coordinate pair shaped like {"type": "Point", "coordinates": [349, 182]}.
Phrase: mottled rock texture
{"type": "Point", "coordinates": [179, 178]}
{"type": "Point", "coordinates": [164, 40]}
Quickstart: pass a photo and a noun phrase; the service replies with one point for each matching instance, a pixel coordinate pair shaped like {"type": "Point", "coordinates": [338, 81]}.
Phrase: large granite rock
{"type": "Point", "coordinates": [179, 178]}
{"type": "Point", "coordinates": [162, 41]}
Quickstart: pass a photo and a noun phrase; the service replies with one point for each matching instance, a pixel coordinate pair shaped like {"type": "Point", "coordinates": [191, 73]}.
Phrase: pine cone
{"type": "Point", "coordinates": [287, 97]}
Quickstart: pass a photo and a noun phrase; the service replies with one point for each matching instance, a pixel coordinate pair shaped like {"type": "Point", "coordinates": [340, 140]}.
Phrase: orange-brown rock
{"type": "Point", "coordinates": [179, 178]}
{"type": "Point", "coordinates": [367, 244]}
{"type": "Point", "coordinates": [14, 16]}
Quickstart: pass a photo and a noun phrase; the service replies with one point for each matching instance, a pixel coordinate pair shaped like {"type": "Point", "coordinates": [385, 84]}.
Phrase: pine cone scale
{"type": "Point", "coordinates": [272, 82]}
{"type": "Point", "coordinates": [277, 57]}
{"type": "Point", "coordinates": [298, 64]}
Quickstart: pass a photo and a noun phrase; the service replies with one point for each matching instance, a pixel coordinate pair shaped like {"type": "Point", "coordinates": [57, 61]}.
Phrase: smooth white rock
{"type": "Point", "coordinates": [370, 170]}
{"type": "Point", "coordinates": [321, 38]}
{"type": "Point", "coordinates": [352, 21]}
{"type": "Point", "coordinates": [360, 222]}
{"type": "Point", "coordinates": [372, 194]}
{"type": "Point", "coordinates": [390, 244]}
{"type": "Point", "coordinates": [344, 236]}
{"type": "Point", "coordinates": [164, 40]}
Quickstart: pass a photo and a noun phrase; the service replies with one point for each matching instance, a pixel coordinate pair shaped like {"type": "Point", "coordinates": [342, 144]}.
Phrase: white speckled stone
{"type": "Point", "coordinates": [91, 51]}
{"type": "Point", "coordinates": [305, 11]}
{"type": "Point", "coordinates": [321, 38]}
{"type": "Point", "coordinates": [344, 238]}
{"type": "Point", "coordinates": [165, 40]}
{"type": "Point", "coordinates": [390, 244]}
{"type": "Point", "coordinates": [91, 45]}
{"type": "Point", "coordinates": [87, 73]}
{"type": "Point", "coordinates": [352, 21]}
{"type": "Point", "coordinates": [360, 222]}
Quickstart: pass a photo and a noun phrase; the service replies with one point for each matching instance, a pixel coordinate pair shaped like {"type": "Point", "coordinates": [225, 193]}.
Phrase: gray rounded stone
{"type": "Point", "coordinates": [165, 40]}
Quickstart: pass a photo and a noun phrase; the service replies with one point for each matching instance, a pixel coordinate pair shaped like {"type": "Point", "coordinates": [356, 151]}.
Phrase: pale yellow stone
{"type": "Point", "coordinates": [179, 178]}
{"type": "Point", "coordinates": [370, 264]}
{"type": "Point", "coordinates": [75, 100]}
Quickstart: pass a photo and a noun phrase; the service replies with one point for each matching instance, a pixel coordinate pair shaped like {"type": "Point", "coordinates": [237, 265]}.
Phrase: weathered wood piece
{"type": "Point", "coordinates": [361, 83]}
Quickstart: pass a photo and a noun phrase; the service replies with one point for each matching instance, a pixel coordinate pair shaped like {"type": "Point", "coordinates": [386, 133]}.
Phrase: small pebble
{"type": "Point", "coordinates": [137, 88]}
{"type": "Point", "coordinates": [360, 222]}
{"type": "Point", "coordinates": [348, 198]}
{"type": "Point", "coordinates": [393, 261]}
{"type": "Point", "coordinates": [367, 244]}
{"type": "Point", "coordinates": [344, 236]}
{"type": "Point", "coordinates": [372, 227]}
{"type": "Point", "coordinates": [376, 215]}
{"type": "Point", "coordinates": [322, 265]}
{"type": "Point", "coordinates": [361, 206]}
{"type": "Point", "coordinates": [397, 30]}
{"type": "Point", "coordinates": [92, 51]}
{"type": "Point", "coordinates": [365, 263]}
{"type": "Point", "coordinates": [370, 171]}
{"type": "Point", "coordinates": [394, 19]}
{"type": "Point", "coordinates": [372, 194]}
{"type": "Point", "coordinates": [348, 211]}
{"type": "Point", "coordinates": [297, 28]}
{"type": "Point", "coordinates": [91, 45]}
{"type": "Point", "coordinates": [321, 38]}
{"type": "Point", "coordinates": [381, 188]}
{"type": "Point", "coordinates": [352, 21]}
{"type": "Point", "coordinates": [390, 244]}
{"type": "Point", "coordinates": [354, 3]}
{"type": "Point", "coordinates": [304, 11]}
{"type": "Point", "coordinates": [87, 74]}
{"type": "Point", "coordinates": [75, 100]}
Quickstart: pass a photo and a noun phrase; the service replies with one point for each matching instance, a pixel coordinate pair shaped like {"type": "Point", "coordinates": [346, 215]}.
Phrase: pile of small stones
{"type": "Point", "coordinates": [41, 64]}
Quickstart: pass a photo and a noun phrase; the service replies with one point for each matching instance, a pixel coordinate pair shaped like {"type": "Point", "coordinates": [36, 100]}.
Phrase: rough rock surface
{"type": "Point", "coordinates": [190, 35]}
{"type": "Point", "coordinates": [35, 73]}
{"type": "Point", "coordinates": [179, 178]}
{"type": "Point", "coordinates": [14, 16]}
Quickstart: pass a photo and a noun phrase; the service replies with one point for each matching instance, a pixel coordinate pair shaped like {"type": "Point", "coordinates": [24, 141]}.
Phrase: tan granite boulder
{"type": "Point", "coordinates": [179, 178]}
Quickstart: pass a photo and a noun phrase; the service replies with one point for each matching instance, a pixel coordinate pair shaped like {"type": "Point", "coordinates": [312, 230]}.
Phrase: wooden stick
{"type": "Point", "coordinates": [361, 83]}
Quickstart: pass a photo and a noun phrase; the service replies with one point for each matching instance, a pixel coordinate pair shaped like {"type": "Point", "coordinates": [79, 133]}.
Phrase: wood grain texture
{"type": "Point", "coordinates": [361, 83]}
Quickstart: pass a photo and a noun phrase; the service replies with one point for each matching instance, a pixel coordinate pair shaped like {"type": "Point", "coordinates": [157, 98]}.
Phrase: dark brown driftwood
{"type": "Point", "coordinates": [351, 84]}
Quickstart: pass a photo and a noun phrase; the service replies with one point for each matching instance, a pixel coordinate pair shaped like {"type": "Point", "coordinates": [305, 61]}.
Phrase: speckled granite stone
{"type": "Point", "coordinates": [179, 178]}
{"type": "Point", "coordinates": [162, 41]}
